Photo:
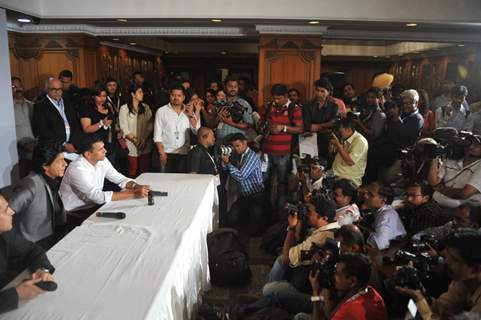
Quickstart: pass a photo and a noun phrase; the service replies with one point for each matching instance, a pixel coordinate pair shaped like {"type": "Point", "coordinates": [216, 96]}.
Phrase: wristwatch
{"type": "Point", "coordinates": [317, 299]}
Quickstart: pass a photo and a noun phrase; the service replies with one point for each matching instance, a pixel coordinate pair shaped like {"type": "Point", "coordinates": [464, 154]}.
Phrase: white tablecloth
{"type": "Point", "coordinates": [151, 265]}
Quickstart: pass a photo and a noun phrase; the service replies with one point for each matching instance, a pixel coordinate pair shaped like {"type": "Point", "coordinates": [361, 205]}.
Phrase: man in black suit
{"type": "Point", "coordinates": [199, 159]}
{"type": "Point", "coordinates": [55, 120]}
{"type": "Point", "coordinates": [15, 248]}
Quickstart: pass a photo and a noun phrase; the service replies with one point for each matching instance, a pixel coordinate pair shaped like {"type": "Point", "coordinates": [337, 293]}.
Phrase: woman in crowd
{"type": "Point", "coordinates": [98, 117]}
{"type": "Point", "coordinates": [136, 122]}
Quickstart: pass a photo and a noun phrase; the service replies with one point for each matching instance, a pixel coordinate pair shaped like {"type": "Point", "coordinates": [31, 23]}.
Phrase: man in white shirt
{"type": "Point", "coordinates": [458, 181]}
{"type": "Point", "coordinates": [172, 128]}
{"type": "Point", "coordinates": [387, 224]}
{"type": "Point", "coordinates": [453, 114]}
{"type": "Point", "coordinates": [82, 184]}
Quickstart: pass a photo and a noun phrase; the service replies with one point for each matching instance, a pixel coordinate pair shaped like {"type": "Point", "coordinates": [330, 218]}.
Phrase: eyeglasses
{"type": "Point", "coordinates": [412, 195]}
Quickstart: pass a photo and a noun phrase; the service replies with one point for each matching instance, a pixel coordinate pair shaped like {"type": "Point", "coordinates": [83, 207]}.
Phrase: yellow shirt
{"type": "Point", "coordinates": [318, 237]}
{"type": "Point", "coordinates": [356, 146]}
{"type": "Point", "coordinates": [461, 296]}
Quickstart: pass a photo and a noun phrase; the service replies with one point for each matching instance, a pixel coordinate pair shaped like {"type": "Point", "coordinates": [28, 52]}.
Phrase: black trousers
{"type": "Point", "coordinates": [251, 208]}
{"type": "Point", "coordinates": [176, 163]}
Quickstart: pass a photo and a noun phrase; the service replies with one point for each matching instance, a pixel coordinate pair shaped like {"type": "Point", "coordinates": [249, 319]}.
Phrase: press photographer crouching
{"type": "Point", "coordinates": [457, 180]}
{"type": "Point", "coordinates": [296, 250]}
{"type": "Point", "coordinates": [285, 294]}
{"type": "Point", "coordinates": [353, 297]}
{"type": "Point", "coordinates": [463, 260]}
{"type": "Point", "coordinates": [244, 168]}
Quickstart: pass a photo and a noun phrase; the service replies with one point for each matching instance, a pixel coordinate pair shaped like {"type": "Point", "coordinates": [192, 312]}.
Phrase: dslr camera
{"type": "Point", "coordinates": [326, 266]}
{"type": "Point", "coordinates": [236, 110]}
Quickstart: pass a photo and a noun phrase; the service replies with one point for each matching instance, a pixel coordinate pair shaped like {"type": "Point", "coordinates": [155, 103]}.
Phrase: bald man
{"type": "Point", "coordinates": [199, 158]}
{"type": "Point", "coordinates": [55, 120]}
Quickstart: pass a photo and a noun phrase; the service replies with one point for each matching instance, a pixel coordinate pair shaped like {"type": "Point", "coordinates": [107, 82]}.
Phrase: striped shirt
{"type": "Point", "coordinates": [280, 144]}
{"type": "Point", "coordinates": [249, 174]}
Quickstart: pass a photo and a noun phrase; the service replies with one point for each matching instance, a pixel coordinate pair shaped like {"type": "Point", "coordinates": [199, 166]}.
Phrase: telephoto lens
{"type": "Point", "coordinates": [150, 198]}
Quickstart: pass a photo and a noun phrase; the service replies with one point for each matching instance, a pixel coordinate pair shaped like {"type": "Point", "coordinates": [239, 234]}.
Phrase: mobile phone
{"type": "Point", "coordinates": [115, 215]}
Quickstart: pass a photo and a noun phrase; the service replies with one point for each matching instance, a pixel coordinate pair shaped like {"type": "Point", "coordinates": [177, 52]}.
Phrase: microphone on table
{"type": "Point", "coordinates": [152, 194]}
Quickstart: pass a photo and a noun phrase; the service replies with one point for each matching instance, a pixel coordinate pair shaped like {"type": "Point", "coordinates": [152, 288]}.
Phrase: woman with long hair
{"type": "Point", "coordinates": [136, 122]}
{"type": "Point", "coordinates": [99, 118]}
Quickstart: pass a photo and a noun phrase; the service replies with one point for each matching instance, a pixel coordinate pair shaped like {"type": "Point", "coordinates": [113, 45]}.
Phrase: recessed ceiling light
{"type": "Point", "coordinates": [460, 45]}
{"type": "Point", "coordinates": [166, 52]}
{"type": "Point", "coordinates": [223, 53]}
{"type": "Point", "coordinates": [374, 56]}
{"type": "Point", "coordinates": [132, 43]}
{"type": "Point", "coordinates": [24, 20]}
{"type": "Point", "coordinates": [411, 24]}
{"type": "Point", "coordinates": [122, 20]}
{"type": "Point", "coordinates": [216, 20]}
{"type": "Point", "coordinates": [116, 39]}
{"type": "Point", "coordinates": [314, 22]}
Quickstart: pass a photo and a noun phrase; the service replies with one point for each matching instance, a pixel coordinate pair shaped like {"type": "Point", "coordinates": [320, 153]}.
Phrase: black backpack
{"type": "Point", "coordinates": [228, 261]}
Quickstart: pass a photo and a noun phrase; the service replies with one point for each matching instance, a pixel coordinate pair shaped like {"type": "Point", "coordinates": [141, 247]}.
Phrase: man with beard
{"type": "Point", "coordinates": [463, 260]}
{"type": "Point", "coordinates": [226, 124]}
{"type": "Point", "coordinates": [372, 119]}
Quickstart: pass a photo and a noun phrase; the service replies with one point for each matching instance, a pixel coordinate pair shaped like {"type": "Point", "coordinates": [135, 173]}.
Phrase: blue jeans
{"type": "Point", "coordinates": [279, 166]}
{"type": "Point", "coordinates": [278, 271]}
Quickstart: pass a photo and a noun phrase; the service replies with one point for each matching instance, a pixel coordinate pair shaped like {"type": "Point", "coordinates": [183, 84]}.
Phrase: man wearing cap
{"type": "Point", "coordinates": [458, 181]}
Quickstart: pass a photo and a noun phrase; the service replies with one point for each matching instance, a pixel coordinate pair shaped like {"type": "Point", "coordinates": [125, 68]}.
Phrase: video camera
{"type": "Point", "coordinates": [423, 264]}
{"type": "Point", "coordinates": [236, 110]}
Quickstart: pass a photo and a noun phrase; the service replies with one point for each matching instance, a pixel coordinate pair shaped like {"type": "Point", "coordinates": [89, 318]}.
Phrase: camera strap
{"type": "Point", "coordinates": [468, 167]}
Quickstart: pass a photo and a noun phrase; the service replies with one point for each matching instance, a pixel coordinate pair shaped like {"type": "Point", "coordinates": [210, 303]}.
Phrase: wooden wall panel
{"type": "Point", "coordinates": [293, 61]}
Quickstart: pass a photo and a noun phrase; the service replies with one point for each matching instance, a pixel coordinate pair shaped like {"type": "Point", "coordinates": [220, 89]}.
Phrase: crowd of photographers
{"type": "Point", "coordinates": [380, 219]}
{"type": "Point", "coordinates": [382, 222]}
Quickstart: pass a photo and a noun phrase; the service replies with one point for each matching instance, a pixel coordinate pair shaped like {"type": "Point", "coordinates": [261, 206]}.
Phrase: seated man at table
{"type": "Point", "coordinates": [15, 248]}
{"type": "Point", "coordinates": [199, 159]}
{"type": "Point", "coordinates": [81, 188]}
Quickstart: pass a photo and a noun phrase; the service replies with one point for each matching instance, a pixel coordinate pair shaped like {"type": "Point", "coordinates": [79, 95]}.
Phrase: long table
{"type": "Point", "coordinates": [151, 265]}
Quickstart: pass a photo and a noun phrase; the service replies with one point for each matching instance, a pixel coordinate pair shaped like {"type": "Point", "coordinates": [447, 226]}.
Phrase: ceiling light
{"type": "Point", "coordinates": [24, 20]}
{"type": "Point", "coordinates": [314, 22]}
{"type": "Point", "coordinates": [223, 53]}
{"type": "Point", "coordinates": [166, 52]}
{"type": "Point", "coordinates": [411, 24]}
{"type": "Point", "coordinates": [216, 20]}
{"type": "Point", "coordinates": [122, 20]}
{"type": "Point", "coordinates": [115, 39]}
{"type": "Point", "coordinates": [374, 56]}
{"type": "Point", "coordinates": [133, 43]}
{"type": "Point", "coordinates": [460, 45]}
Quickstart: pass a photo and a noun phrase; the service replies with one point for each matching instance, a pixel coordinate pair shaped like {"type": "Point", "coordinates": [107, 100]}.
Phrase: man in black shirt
{"type": "Point", "coordinates": [15, 248]}
{"type": "Point", "coordinates": [421, 210]}
{"type": "Point", "coordinates": [199, 160]}
{"type": "Point", "coordinates": [320, 116]}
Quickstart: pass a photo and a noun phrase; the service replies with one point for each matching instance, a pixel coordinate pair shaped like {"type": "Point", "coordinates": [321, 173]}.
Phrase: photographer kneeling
{"type": "Point", "coordinates": [353, 299]}
{"type": "Point", "coordinates": [321, 218]}
{"type": "Point", "coordinates": [458, 181]}
{"type": "Point", "coordinates": [463, 260]}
